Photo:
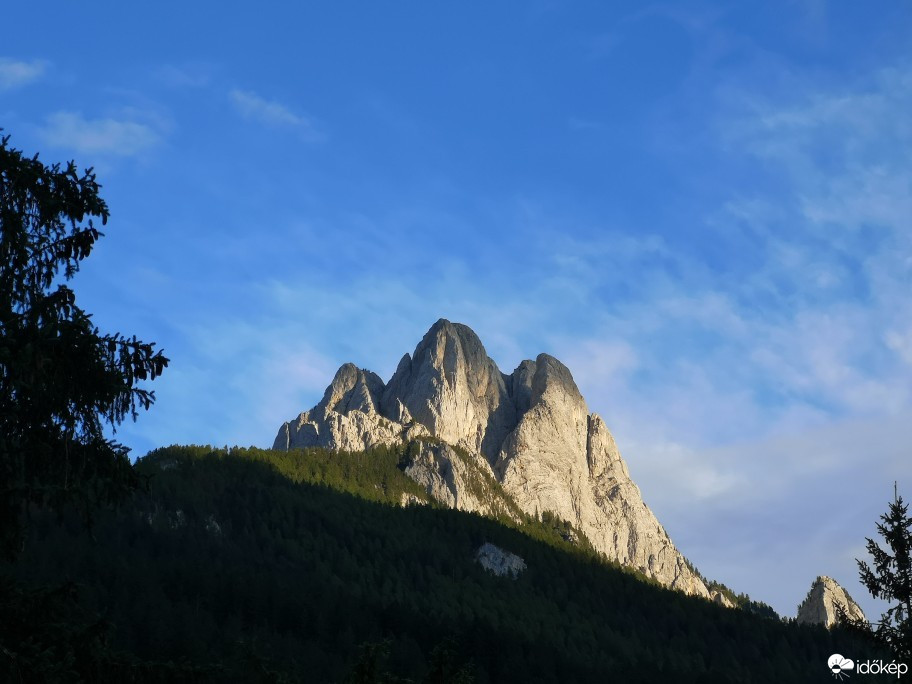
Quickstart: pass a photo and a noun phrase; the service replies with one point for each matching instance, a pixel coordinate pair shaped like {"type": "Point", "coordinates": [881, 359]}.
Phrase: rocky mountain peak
{"type": "Point", "coordinates": [449, 353]}
{"type": "Point", "coordinates": [451, 386]}
{"type": "Point", "coordinates": [553, 381]}
{"type": "Point", "coordinates": [530, 432]}
{"type": "Point", "coordinates": [352, 389]}
{"type": "Point", "coordinates": [819, 606]}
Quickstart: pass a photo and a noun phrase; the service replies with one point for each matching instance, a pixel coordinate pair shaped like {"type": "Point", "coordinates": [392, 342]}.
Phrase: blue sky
{"type": "Point", "coordinates": [702, 208]}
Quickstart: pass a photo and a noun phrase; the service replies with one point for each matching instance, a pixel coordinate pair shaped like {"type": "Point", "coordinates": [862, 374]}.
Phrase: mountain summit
{"type": "Point", "coordinates": [820, 605]}
{"type": "Point", "coordinates": [529, 431]}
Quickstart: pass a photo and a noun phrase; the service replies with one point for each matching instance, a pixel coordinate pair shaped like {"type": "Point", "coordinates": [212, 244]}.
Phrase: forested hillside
{"type": "Point", "coordinates": [303, 566]}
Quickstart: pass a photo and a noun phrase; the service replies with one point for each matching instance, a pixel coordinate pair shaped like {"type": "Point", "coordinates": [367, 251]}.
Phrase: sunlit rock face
{"type": "Point", "coordinates": [819, 607]}
{"type": "Point", "coordinates": [447, 477]}
{"type": "Point", "coordinates": [721, 599]}
{"type": "Point", "coordinates": [451, 387]}
{"type": "Point", "coordinates": [346, 419]}
{"type": "Point", "coordinates": [531, 430]}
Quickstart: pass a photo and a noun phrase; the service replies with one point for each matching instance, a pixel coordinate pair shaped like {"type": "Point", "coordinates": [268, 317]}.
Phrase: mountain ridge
{"type": "Point", "coordinates": [530, 430]}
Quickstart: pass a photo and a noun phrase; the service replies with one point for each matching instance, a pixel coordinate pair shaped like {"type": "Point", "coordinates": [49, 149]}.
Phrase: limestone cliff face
{"type": "Point", "coordinates": [531, 431]}
{"type": "Point", "coordinates": [457, 479]}
{"type": "Point", "coordinates": [819, 607]}
{"type": "Point", "coordinates": [451, 387]}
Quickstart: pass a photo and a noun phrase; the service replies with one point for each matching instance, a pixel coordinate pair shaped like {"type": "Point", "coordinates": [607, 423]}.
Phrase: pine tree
{"type": "Point", "coordinates": [890, 578]}
{"type": "Point", "coordinates": [62, 381]}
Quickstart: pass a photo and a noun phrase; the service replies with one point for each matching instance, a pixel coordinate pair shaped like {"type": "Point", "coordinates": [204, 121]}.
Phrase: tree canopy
{"type": "Point", "coordinates": [62, 381]}
{"type": "Point", "coordinates": [305, 560]}
{"type": "Point", "coordinates": [890, 578]}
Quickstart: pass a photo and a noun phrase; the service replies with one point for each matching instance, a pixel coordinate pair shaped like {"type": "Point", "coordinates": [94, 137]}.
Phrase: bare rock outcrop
{"type": "Point", "coordinates": [819, 606]}
{"type": "Point", "coordinates": [721, 599]}
{"type": "Point", "coordinates": [531, 432]}
{"type": "Point", "coordinates": [502, 563]}
{"type": "Point", "coordinates": [448, 477]}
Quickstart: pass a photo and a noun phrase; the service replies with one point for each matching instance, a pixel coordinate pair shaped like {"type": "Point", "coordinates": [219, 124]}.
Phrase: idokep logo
{"type": "Point", "coordinates": [877, 667]}
{"type": "Point", "coordinates": [838, 665]}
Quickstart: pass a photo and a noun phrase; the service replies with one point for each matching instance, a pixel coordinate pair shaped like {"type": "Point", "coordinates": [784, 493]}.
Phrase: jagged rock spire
{"type": "Point", "coordinates": [454, 389]}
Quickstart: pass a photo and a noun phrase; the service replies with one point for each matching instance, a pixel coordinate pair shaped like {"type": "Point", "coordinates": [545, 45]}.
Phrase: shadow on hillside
{"type": "Point", "coordinates": [300, 558]}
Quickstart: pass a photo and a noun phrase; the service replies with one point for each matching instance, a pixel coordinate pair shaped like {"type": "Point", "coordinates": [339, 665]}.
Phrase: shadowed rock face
{"type": "Point", "coordinates": [819, 608]}
{"type": "Point", "coordinates": [531, 429]}
{"type": "Point", "coordinates": [502, 563]}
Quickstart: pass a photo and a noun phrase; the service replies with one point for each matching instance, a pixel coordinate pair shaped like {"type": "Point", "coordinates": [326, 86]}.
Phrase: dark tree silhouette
{"type": "Point", "coordinates": [890, 578]}
{"type": "Point", "coordinates": [61, 380]}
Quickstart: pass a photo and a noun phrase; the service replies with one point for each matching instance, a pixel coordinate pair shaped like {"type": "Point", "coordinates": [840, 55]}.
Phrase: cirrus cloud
{"type": "Point", "coordinates": [252, 106]}
{"type": "Point", "coordinates": [124, 137]}
{"type": "Point", "coordinates": [14, 72]}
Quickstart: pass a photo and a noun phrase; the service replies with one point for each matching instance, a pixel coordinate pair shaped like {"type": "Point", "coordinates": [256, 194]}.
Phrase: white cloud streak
{"type": "Point", "coordinates": [252, 106]}
{"type": "Point", "coordinates": [832, 246]}
{"type": "Point", "coordinates": [15, 73]}
{"type": "Point", "coordinates": [124, 137]}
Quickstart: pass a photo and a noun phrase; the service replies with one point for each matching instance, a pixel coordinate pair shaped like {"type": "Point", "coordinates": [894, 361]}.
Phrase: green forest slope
{"type": "Point", "coordinates": [304, 563]}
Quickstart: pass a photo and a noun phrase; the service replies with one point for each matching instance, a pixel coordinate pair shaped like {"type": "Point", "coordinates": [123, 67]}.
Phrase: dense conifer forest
{"type": "Point", "coordinates": [252, 565]}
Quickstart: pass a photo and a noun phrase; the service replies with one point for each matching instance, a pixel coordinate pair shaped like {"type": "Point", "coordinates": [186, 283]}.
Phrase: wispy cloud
{"type": "Point", "coordinates": [14, 73]}
{"type": "Point", "coordinates": [822, 343]}
{"type": "Point", "coordinates": [124, 137]}
{"type": "Point", "coordinates": [277, 375]}
{"type": "Point", "coordinates": [253, 106]}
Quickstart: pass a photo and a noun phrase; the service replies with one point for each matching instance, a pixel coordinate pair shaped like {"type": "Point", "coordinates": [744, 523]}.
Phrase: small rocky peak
{"type": "Point", "coordinates": [553, 381]}
{"type": "Point", "coordinates": [454, 350]}
{"type": "Point", "coordinates": [819, 606]}
{"type": "Point", "coordinates": [602, 452]}
{"type": "Point", "coordinates": [520, 384]}
{"type": "Point", "coordinates": [391, 405]}
{"type": "Point", "coordinates": [352, 389]}
{"type": "Point", "coordinates": [434, 365]}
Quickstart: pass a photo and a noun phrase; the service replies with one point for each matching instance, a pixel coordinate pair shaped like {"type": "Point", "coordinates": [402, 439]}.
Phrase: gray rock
{"type": "Point", "coordinates": [721, 599]}
{"type": "Point", "coordinates": [407, 499]}
{"type": "Point", "coordinates": [459, 480]}
{"type": "Point", "coordinates": [563, 459]}
{"type": "Point", "coordinates": [502, 563]}
{"type": "Point", "coordinates": [346, 419]}
{"type": "Point", "coordinates": [353, 389]}
{"type": "Point", "coordinates": [819, 606]}
{"type": "Point", "coordinates": [213, 527]}
{"type": "Point", "coordinates": [529, 431]}
{"type": "Point", "coordinates": [450, 386]}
